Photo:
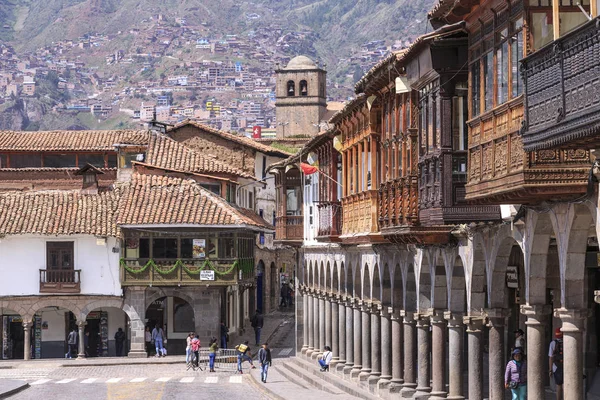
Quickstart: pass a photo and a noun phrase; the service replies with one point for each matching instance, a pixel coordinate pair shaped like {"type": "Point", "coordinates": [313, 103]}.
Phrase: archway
{"type": "Point", "coordinates": [376, 288]}
{"type": "Point", "coordinates": [410, 299]}
{"type": "Point", "coordinates": [327, 278]}
{"type": "Point", "coordinates": [322, 277]}
{"type": "Point", "coordinates": [356, 282]}
{"type": "Point", "coordinates": [260, 282]}
{"type": "Point", "coordinates": [386, 287]}
{"type": "Point", "coordinates": [176, 317]}
{"type": "Point", "coordinates": [52, 324]}
{"type": "Point", "coordinates": [311, 275]}
{"type": "Point", "coordinates": [425, 280]}
{"type": "Point", "coordinates": [274, 285]}
{"type": "Point", "coordinates": [366, 283]}
{"type": "Point", "coordinates": [100, 332]}
{"type": "Point", "coordinates": [397, 288]}
{"type": "Point", "coordinates": [12, 335]}
{"type": "Point", "coordinates": [335, 282]}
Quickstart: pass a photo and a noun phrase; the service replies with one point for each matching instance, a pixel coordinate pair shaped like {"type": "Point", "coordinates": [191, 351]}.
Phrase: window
{"type": "Point", "coordinates": [31, 160]}
{"type": "Point", "coordinates": [144, 248]}
{"type": "Point", "coordinates": [164, 248]}
{"type": "Point", "coordinates": [475, 89]}
{"type": "Point", "coordinates": [3, 161]}
{"type": "Point", "coordinates": [214, 188]}
{"type": "Point", "coordinates": [430, 117]}
{"type": "Point", "coordinates": [516, 48]}
{"type": "Point", "coordinates": [264, 167]}
{"type": "Point", "coordinates": [502, 67]}
{"type": "Point", "coordinates": [61, 161]}
{"type": "Point", "coordinates": [250, 200]}
{"type": "Point", "coordinates": [488, 80]}
{"type": "Point", "coordinates": [187, 248]}
{"type": "Point", "coordinates": [97, 160]}
{"type": "Point", "coordinates": [183, 316]}
{"type": "Point", "coordinates": [59, 255]}
{"type": "Point", "coordinates": [112, 161]}
{"type": "Point", "coordinates": [459, 126]}
{"type": "Point", "coordinates": [226, 246]}
{"type": "Point", "coordinates": [291, 88]}
{"type": "Point", "coordinates": [303, 88]}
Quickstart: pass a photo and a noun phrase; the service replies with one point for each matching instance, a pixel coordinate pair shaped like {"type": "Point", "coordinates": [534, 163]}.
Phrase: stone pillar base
{"type": "Point", "coordinates": [364, 376]}
{"type": "Point", "coordinates": [315, 355]}
{"type": "Point", "coordinates": [347, 370]}
{"type": "Point", "coordinates": [437, 395]}
{"type": "Point", "coordinates": [308, 353]}
{"type": "Point", "coordinates": [304, 350]}
{"type": "Point", "coordinates": [354, 373]}
{"type": "Point", "coordinates": [421, 395]}
{"type": "Point", "coordinates": [395, 386]}
{"type": "Point", "coordinates": [407, 392]}
{"type": "Point", "coordinates": [137, 354]}
{"type": "Point", "coordinates": [372, 382]}
{"type": "Point", "coordinates": [455, 397]}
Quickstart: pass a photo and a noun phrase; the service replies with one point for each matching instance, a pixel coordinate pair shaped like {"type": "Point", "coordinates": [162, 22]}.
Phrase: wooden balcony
{"type": "Point", "coordinates": [398, 202]}
{"type": "Point", "coordinates": [501, 172]}
{"type": "Point", "coordinates": [360, 218]}
{"type": "Point", "coordinates": [330, 221]}
{"type": "Point", "coordinates": [184, 272]}
{"type": "Point", "coordinates": [289, 228]}
{"type": "Point", "coordinates": [60, 281]}
{"type": "Point", "coordinates": [562, 91]}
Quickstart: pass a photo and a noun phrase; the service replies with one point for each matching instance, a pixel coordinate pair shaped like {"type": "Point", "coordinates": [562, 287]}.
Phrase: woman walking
{"type": "Point", "coordinates": [188, 348]}
{"type": "Point", "coordinates": [515, 376]}
{"type": "Point", "coordinates": [212, 353]}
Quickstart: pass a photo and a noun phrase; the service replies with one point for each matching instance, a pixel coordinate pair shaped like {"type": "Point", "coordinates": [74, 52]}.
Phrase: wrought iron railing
{"type": "Point", "coordinates": [330, 219]}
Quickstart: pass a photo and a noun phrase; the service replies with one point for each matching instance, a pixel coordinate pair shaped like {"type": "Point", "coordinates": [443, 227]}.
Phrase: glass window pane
{"type": "Point", "coordinates": [3, 161]}
{"type": "Point", "coordinates": [33, 160]}
{"type": "Point", "coordinates": [475, 89]}
{"type": "Point", "coordinates": [112, 161]}
{"type": "Point", "coordinates": [186, 248]}
{"type": "Point", "coordinates": [97, 160]}
{"type": "Point", "coordinates": [502, 72]}
{"type": "Point", "coordinates": [488, 77]}
{"type": "Point", "coordinates": [164, 248]}
{"type": "Point", "coordinates": [517, 54]}
{"type": "Point", "coordinates": [542, 29]}
{"type": "Point", "coordinates": [59, 161]}
{"type": "Point", "coordinates": [144, 248]}
{"type": "Point", "coordinates": [430, 116]}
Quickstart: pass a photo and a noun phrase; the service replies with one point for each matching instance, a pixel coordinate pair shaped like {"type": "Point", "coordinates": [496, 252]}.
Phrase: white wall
{"type": "Point", "coordinates": [56, 325]}
{"type": "Point", "coordinates": [311, 194]}
{"type": "Point", "coordinates": [265, 198]}
{"type": "Point", "coordinates": [22, 256]}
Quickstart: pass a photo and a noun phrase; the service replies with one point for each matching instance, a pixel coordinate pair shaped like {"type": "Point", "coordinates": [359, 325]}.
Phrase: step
{"type": "Point", "coordinates": [310, 372]}
{"type": "Point", "coordinates": [280, 387]}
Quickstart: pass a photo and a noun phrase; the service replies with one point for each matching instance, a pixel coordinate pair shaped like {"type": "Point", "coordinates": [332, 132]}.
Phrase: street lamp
{"type": "Point", "coordinates": [283, 124]}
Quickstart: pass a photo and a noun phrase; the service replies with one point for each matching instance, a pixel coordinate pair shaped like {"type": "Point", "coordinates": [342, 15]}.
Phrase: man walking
{"type": "Point", "coordinates": [119, 339]}
{"type": "Point", "coordinates": [284, 295]}
{"type": "Point", "coordinates": [264, 358]}
{"type": "Point", "coordinates": [555, 359]}
{"type": "Point", "coordinates": [157, 337]}
{"type": "Point", "coordinates": [72, 343]}
{"type": "Point", "coordinates": [257, 323]}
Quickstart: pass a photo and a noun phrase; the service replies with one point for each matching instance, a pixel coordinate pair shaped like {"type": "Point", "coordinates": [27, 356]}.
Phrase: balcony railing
{"type": "Point", "coordinates": [330, 219]}
{"type": "Point", "coordinates": [184, 272]}
{"type": "Point", "coordinates": [290, 227]}
{"type": "Point", "coordinates": [562, 91]}
{"type": "Point", "coordinates": [398, 202]}
{"type": "Point", "coordinates": [60, 280]}
{"type": "Point", "coordinates": [360, 213]}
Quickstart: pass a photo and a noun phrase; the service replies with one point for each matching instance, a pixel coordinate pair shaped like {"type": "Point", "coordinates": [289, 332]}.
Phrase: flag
{"type": "Point", "coordinates": [308, 169]}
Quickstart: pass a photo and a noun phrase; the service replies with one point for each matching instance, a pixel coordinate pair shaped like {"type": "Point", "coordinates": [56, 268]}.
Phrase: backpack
{"type": "Point", "coordinates": [195, 344]}
{"type": "Point", "coordinates": [72, 338]}
{"type": "Point", "coordinates": [242, 348]}
{"type": "Point", "coordinates": [557, 355]}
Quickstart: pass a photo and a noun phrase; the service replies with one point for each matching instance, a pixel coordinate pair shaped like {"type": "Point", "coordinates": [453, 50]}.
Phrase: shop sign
{"type": "Point", "coordinates": [207, 275]}
{"type": "Point", "coordinates": [512, 277]}
{"type": "Point", "coordinates": [199, 248]}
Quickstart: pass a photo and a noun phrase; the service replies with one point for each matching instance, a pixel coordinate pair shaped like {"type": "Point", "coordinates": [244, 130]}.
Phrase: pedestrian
{"type": "Point", "coordinates": [86, 343]}
{"type": "Point", "coordinates": [212, 353]}
{"type": "Point", "coordinates": [119, 339]}
{"type": "Point", "coordinates": [290, 295]}
{"type": "Point", "coordinates": [148, 340]}
{"type": "Point", "coordinates": [257, 323]}
{"type": "Point", "coordinates": [195, 343]}
{"type": "Point", "coordinates": [515, 376]}
{"type": "Point", "coordinates": [244, 353]}
{"type": "Point", "coordinates": [520, 340]}
{"type": "Point", "coordinates": [224, 335]}
{"type": "Point", "coordinates": [188, 347]}
{"type": "Point", "coordinates": [283, 294]}
{"type": "Point", "coordinates": [325, 359]}
{"type": "Point", "coordinates": [555, 360]}
{"type": "Point", "coordinates": [264, 358]}
{"type": "Point", "coordinates": [157, 337]}
{"type": "Point", "coordinates": [72, 343]}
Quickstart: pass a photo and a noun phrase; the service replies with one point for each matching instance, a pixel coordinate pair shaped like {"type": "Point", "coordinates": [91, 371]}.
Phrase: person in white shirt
{"type": "Point", "coordinates": [520, 340]}
{"type": "Point", "coordinates": [325, 359]}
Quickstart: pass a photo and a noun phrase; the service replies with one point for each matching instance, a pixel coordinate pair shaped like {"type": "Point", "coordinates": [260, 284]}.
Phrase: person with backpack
{"type": "Point", "coordinates": [195, 343]}
{"type": "Point", "coordinates": [119, 340]}
{"type": "Point", "coordinates": [244, 353]}
{"type": "Point", "coordinates": [555, 360]}
{"type": "Point", "coordinates": [264, 358]}
{"type": "Point", "coordinates": [72, 343]}
{"type": "Point", "coordinates": [515, 376]}
{"type": "Point", "coordinates": [158, 337]}
{"type": "Point", "coordinates": [325, 359]}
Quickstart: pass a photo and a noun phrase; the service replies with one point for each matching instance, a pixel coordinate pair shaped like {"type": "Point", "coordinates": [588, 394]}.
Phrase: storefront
{"type": "Point", "coordinates": [12, 337]}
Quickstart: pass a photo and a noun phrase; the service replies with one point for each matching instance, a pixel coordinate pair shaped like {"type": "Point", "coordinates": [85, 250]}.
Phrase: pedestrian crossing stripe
{"type": "Point", "coordinates": [114, 380]}
{"type": "Point", "coordinates": [187, 380]}
{"type": "Point", "coordinates": [66, 380]}
{"type": "Point", "coordinates": [211, 379]}
{"type": "Point", "coordinates": [235, 379]}
{"type": "Point", "coordinates": [40, 381]}
{"type": "Point", "coordinates": [163, 379]}
{"type": "Point", "coordinates": [89, 380]}
{"type": "Point", "coordinates": [136, 380]}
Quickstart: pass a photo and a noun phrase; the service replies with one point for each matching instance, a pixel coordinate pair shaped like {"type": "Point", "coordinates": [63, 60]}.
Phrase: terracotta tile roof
{"type": "Point", "coordinates": [163, 200]}
{"type": "Point", "coordinates": [164, 152]}
{"type": "Point", "coordinates": [248, 142]}
{"type": "Point", "coordinates": [350, 106]}
{"type": "Point", "coordinates": [58, 212]}
{"type": "Point", "coordinates": [69, 140]}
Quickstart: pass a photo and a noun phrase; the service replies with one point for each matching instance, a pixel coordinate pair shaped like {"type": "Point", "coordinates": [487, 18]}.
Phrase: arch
{"type": "Point", "coordinates": [498, 288]}
{"type": "Point", "coordinates": [475, 276]}
{"type": "Point", "coordinates": [100, 345]}
{"type": "Point", "coordinates": [425, 279]}
{"type": "Point", "coordinates": [322, 277]}
{"type": "Point", "coordinates": [397, 296]}
{"type": "Point", "coordinates": [366, 283]}
{"type": "Point", "coordinates": [376, 285]}
{"type": "Point", "coordinates": [345, 287]}
{"type": "Point", "coordinates": [108, 303]}
{"type": "Point", "coordinates": [326, 281]}
{"type": "Point", "coordinates": [50, 302]}
{"type": "Point", "coordinates": [386, 286]}
{"type": "Point", "coordinates": [335, 281]}
{"type": "Point", "coordinates": [290, 88]}
{"type": "Point", "coordinates": [536, 242]}
{"type": "Point", "coordinates": [356, 282]}
{"type": "Point", "coordinates": [410, 298]}
{"type": "Point", "coordinates": [303, 88]}
{"type": "Point", "coordinates": [458, 288]}
{"type": "Point", "coordinates": [169, 292]}
{"type": "Point", "coordinates": [310, 281]}
{"type": "Point", "coordinates": [305, 268]}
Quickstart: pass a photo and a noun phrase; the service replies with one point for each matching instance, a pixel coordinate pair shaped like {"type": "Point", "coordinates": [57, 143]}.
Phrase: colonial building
{"type": "Point", "coordinates": [468, 204]}
{"type": "Point", "coordinates": [121, 229]}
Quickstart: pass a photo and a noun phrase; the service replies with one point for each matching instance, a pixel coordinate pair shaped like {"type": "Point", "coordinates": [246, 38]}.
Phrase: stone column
{"type": "Point", "coordinates": [321, 323]}
{"type": "Point", "coordinates": [423, 354]}
{"type": "Point", "coordinates": [341, 327]}
{"type": "Point", "coordinates": [357, 366]}
{"type": "Point", "coordinates": [334, 343]}
{"type": "Point", "coordinates": [438, 354]}
{"type": "Point", "coordinates": [27, 340]}
{"type": "Point", "coordinates": [311, 323]}
{"type": "Point", "coordinates": [410, 355]}
{"type": "Point", "coordinates": [135, 304]}
{"type": "Point", "coordinates": [474, 332]}
{"type": "Point", "coordinates": [572, 327]}
{"type": "Point", "coordinates": [81, 351]}
{"type": "Point", "coordinates": [365, 372]}
{"type": "Point", "coordinates": [304, 320]}
{"type": "Point", "coordinates": [386, 349]}
{"type": "Point", "coordinates": [397, 344]}
{"type": "Point", "coordinates": [328, 322]}
{"type": "Point", "coordinates": [455, 355]}
{"type": "Point", "coordinates": [375, 348]}
{"type": "Point", "coordinates": [349, 366]}
{"type": "Point", "coordinates": [316, 322]}
{"type": "Point", "coordinates": [537, 353]}
{"type": "Point", "coordinates": [496, 319]}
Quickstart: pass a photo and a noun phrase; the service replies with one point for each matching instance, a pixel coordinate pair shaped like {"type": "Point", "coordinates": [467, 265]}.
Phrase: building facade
{"type": "Point", "coordinates": [468, 208]}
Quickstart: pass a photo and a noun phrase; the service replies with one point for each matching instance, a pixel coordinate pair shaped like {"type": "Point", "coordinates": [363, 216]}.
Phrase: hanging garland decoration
{"type": "Point", "coordinates": [244, 265]}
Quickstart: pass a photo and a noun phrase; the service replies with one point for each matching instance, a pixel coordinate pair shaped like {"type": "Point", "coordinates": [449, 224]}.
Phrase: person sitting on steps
{"type": "Point", "coordinates": [325, 359]}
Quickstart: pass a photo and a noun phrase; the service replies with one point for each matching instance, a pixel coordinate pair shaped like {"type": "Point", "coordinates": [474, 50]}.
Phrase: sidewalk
{"type": "Point", "coordinates": [272, 322]}
{"type": "Point", "coordinates": [8, 387]}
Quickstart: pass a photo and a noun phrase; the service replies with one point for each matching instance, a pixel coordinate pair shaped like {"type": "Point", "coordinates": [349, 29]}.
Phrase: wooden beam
{"type": "Point", "coordinates": [594, 8]}
{"type": "Point", "coordinates": [556, 18]}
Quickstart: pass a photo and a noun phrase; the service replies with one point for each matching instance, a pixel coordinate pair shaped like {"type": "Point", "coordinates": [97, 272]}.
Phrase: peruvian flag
{"type": "Point", "coordinates": [308, 169]}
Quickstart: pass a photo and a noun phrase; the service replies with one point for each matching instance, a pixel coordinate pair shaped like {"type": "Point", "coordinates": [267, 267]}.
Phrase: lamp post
{"type": "Point", "coordinates": [283, 124]}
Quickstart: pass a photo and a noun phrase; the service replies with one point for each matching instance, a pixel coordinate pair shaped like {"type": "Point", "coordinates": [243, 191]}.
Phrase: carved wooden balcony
{"type": "Point", "coordinates": [562, 91]}
{"type": "Point", "coordinates": [289, 228]}
{"type": "Point", "coordinates": [360, 218]}
{"type": "Point", "coordinates": [330, 221]}
{"type": "Point", "coordinates": [60, 281]}
{"type": "Point", "coordinates": [398, 202]}
{"type": "Point", "coordinates": [184, 272]}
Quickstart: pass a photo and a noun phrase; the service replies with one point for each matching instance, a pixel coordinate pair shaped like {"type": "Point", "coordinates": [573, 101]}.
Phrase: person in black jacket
{"type": "Point", "coordinates": [264, 358]}
{"type": "Point", "coordinates": [119, 339]}
{"type": "Point", "coordinates": [224, 335]}
{"type": "Point", "coordinates": [257, 323]}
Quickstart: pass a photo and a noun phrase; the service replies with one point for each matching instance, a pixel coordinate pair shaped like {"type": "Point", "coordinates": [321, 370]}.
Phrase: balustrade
{"type": "Point", "coordinates": [330, 219]}
{"type": "Point", "coordinates": [60, 280]}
